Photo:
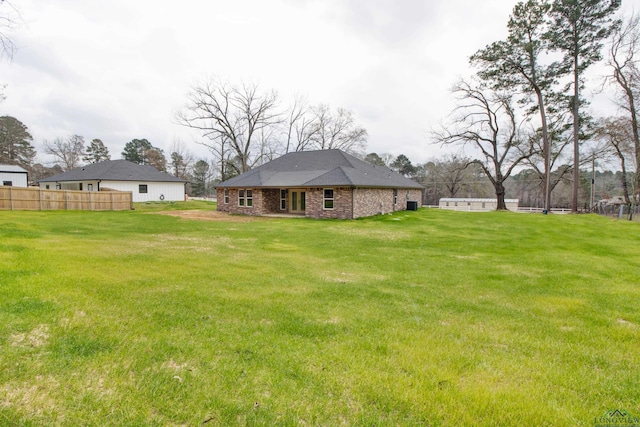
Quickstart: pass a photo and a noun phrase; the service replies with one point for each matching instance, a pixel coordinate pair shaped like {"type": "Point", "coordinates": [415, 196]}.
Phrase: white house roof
{"type": "Point", "coordinates": [114, 170]}
{"type": "Point", "coordinates": [12, 168]}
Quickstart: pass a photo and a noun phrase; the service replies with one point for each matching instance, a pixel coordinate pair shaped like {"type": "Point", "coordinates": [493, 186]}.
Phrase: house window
{"type": "Point", "coordinates": [46, 186]}
{"type": "Point", "coordinates": [226, 196]}
{"type": "Point", "coordinates": [89, 187]}
{"type": "Point", "coordinates": [245, 198]}
{"type": "Point", "coordinates": [283, 200]}
{"type": "Point", "coordinates": [395, 196]}
{"type": "Point", "coordinates": [58, 186]}
{"type": "Point", "coordinates": [142, 189]}
{"type": "Point", "coordinates": [483, 205]}
{"type": "Point", "coordinates": [8, 183]}
{"type": "Point", "coordinates": [80, 186]}
{"type": "Point", "coordinates": [327, 200]}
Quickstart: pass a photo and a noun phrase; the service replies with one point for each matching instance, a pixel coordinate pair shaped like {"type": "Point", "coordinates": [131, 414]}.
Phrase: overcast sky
{"type": "Point", "coordinates": [119, 69]}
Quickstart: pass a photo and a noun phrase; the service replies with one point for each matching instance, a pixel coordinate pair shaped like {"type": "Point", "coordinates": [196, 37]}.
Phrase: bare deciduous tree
{"type": "Point", "coordinates": [624, 135]}
{"type": "Point", "coordinates": [559, 140]}
{"type": "Point", "coordinates": [67, 152]}
{"type": "Point", "coordinates": [454, 174]}
{"type": "Point", "coordinates": [181, 159]}
{"type": "Point", "coordinates": [9, 20]}
{"type": "Point", "coordinates": [618, 133]}
{"type": "Point", "coordinates": [336, 130]}
{"type": "Point", "coordinates": [487, 121]}
{"type": "Point", "coordinates": [230, 118]}
{"type": "Point", "coordinates": [299, 126]}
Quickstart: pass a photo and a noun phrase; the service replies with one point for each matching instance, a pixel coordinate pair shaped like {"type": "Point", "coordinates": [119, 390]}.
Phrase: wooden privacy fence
{"type": "Point", "coordinates": [16, 198]}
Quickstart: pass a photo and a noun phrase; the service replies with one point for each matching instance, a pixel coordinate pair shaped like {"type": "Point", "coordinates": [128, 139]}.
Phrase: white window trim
{"type": "Point", "coordinates": [325, 199]}
{"type": "Point", "coordinates": [283, 200]}
{"type": "Point", "coordinates": [245, 198]}
{"type": "Point", "coordinates": [225, 197]}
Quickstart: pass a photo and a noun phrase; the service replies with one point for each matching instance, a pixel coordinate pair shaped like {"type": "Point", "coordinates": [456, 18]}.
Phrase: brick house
{"type": "Point", "coordinates": [318, 184]}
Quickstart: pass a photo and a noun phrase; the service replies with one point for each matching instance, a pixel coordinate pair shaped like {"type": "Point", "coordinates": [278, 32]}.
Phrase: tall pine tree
{"type": "Point", "coordinates": [96, 152]}
{"type": "Point", "coordinates": [15, 142]}
{"type": "Point", "coordinates": [515, 65]}
{"type": "Point", "coordinates": [578, 32]}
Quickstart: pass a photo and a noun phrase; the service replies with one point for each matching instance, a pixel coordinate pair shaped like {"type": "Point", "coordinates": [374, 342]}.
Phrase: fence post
{"type": "Point", "coordinates": [66, 200]}
{"type": "Point", "coordinates": [11, 197]}
{"type": "Point", "coordinates": [40, 198]}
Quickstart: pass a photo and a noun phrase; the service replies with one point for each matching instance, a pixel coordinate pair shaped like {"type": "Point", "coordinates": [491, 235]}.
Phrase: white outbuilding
{"type": "Point", "coordinates": [476, 205]}
{"type": "Point", "coordinates": [145, 182]}
{"type": "Point", "coordinates": [13, 176]}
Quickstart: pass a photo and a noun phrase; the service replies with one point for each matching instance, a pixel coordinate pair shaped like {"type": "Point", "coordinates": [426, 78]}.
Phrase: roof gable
{"type": "Point", "coordinates": [320, 168]}
{"type": "Point", "coordinates": [12, 169]}
{"type": "Point", "coordinates": [114, 170]}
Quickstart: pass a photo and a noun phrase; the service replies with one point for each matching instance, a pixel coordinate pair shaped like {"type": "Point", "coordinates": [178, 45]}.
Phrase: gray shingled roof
{"type": "Point", "coordinates": [12, 168]}
{"type": "Point", "coordinates": [319, 169]}
{"type": "Point", "coordinates": [114, 170]}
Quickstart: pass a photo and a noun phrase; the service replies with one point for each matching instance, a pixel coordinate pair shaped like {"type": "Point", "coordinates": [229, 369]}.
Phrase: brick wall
{"type": "Point", "coordinates": [271, 200]}
{"type": "Point", "coordinates": [372, 201]}
{"type": "Point", "coordinates": [220, 197]}
{"type": "Point", "coordinates": [375, 201]}
{"type": "Point", "coordinates": [232, 207]}
{"type": "Point", "coordinates": [342, 203]}
{"type": "Point", "coordinates": [348, 203]}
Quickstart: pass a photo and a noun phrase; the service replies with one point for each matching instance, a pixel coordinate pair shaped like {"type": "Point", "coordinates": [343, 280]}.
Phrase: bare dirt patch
{"type": "Point", "coordinates": [211, 216]}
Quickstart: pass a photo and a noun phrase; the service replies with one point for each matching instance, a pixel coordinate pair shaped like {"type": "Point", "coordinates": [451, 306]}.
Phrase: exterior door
{"type": "Point", "coordinates": [297, 201]}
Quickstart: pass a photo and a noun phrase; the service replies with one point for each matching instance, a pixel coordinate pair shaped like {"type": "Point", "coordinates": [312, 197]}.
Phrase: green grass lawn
{"type": "Point", "coordinates": [417, 318]}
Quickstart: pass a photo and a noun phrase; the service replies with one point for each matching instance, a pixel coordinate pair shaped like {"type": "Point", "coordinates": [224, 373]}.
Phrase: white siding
{"type": "Point", "coordinates": [476, 205]}
{"type": "Point", "coordinates": [17, 179]}
{"type": "Point", "coordinates": [170, 191]}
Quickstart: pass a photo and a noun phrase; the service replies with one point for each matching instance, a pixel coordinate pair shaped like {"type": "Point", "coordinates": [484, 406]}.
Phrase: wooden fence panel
{"type": "Point", "coordinates": [5, 197]}
{"type": "Point", "coordinates": [16, 198]}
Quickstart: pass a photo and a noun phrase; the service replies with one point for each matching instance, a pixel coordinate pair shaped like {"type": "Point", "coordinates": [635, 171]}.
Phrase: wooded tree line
{"type": "Point", "coordinates": [454, 176]}
{"type": "Point", "coordinates": [526, 108]}
{"type": "Point", "coordinates": [16, 148]}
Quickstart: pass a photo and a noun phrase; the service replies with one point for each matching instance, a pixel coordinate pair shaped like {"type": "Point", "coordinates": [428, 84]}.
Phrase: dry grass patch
{"type": "Point", "coordinates": [38, 337]}
{"type": "Point", "coordinates": [211, 216]}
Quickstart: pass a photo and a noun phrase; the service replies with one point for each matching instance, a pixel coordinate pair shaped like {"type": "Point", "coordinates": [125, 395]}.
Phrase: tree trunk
{"type": "Point", "coordinates": [546, 143]}
{"type": "Point", "coordinates": [576, 134]}
{"type": "Point", "coordinates": [500, 192]}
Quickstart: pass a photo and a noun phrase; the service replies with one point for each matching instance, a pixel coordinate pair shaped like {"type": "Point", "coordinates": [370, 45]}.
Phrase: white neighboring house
{"type": "Point", "coordinates": [146, 183]}
{"type": "Point", "coordinates": [476, 205]}
{"type": "Point", "coordinates": [13, 176]}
